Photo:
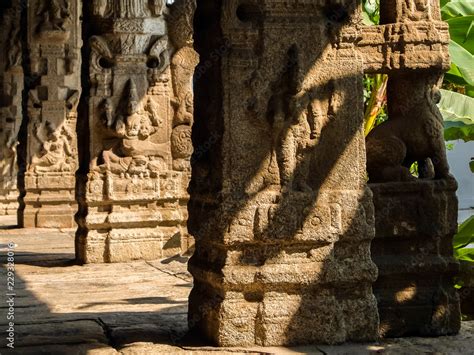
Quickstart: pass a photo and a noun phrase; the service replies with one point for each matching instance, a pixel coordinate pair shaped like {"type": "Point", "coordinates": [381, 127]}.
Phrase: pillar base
{"type": "Point", "coordinates": [415, 225]}
{"type": "Point", "coordinates": [286, 272]}
{"type": "Point", "coordinates": [133, 219]}
{"type": "Point", "coordinates": [9, 203]}
{"type": "Point", "coordinates": [49, 202]}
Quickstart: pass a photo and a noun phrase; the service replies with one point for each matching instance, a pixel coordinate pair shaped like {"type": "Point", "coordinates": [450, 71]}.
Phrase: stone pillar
{"type": "Point", "coordinates": [415, 225]}
{"type": "Point", "coordinates": [11, 87]}
{"type": "Point", "coordinates": [279, 206]}
{"type": "Point", "coordinates": [416, 217]}
{"type": "Point", "coordinates": [54, 40]}
{"type": "Point", "coordinates": [133, 202]}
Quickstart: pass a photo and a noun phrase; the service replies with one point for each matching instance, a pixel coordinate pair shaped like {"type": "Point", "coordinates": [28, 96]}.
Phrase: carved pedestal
{"type": "Point", "coordinates": [279, 207]}
{"type": "Point", "coordinates": [133, 200]}
{"type": "Point", "coordinates": [54, 40]}
{"type": "Point", "coordinates": [415, 225]}
{"type": "Point", "coordinates": [416, 217]}
{"type": "Point", "coordinates": [11, 87]}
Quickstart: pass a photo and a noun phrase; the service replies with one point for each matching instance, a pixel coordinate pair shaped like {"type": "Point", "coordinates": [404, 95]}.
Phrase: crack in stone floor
{"type": "Point", "coordinates": [130, 308]}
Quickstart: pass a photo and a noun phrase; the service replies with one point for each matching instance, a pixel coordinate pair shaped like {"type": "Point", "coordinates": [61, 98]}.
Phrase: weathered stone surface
{"type": "Point", "coordinates": [415, 225]}
{"type": "Point", "coordinates": [466, 293]}
{"type": "Point", "coordinates": [140, 118]}
{"type": "Point", "coordinates": [11, 87]}
{"type": "Point", "coordinates": [54, 41]}
{"type": "Point", "coordinates": [415, 217]}
{"type": "Point", "coordinates": [281, 215]}
{"type": "Point", "coordinates": [137, 308]}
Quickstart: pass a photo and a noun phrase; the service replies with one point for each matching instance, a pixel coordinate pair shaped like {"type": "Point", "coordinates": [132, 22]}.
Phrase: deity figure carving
{"type": "Point", "coordinates": [57, 154]}
{"type": "Point", "coordinates": [413, 133]}
{"type": "Point", "coordinates": [297, 117]}
{"type": "Point", "coordinates": [8, 157]}
{"type": "Point", "coordinates": [140, 117]}
{"type": "Point", "coordinates": [417, 10]}
{"type": "Point", "coordinates": [134, 132]}
{"type": "Point", "coordinates": [55, 15]}
{"type": "Point", "coordinates": [13, 40]}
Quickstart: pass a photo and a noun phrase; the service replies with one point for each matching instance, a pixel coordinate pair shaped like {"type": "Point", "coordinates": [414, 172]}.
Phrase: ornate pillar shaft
{"type": "Point", "coordinates": [279, 206]}
{"type": "Point", "coordinates": [54, 41]}
{"type": "Point", "coordinates": [140, 116]}
{"type": "Point", "coordinates": [11, 81]}
{"type": "Point", "coordinates": [416, 217]}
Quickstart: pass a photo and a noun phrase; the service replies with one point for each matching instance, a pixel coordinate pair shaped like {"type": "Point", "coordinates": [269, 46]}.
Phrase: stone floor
{"type": "Point", "coordinates": [133, 308]}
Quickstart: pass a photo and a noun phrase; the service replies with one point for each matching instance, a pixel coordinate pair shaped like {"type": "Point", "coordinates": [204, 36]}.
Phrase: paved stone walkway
{"type": "Point", "coordinates": [133, 308]}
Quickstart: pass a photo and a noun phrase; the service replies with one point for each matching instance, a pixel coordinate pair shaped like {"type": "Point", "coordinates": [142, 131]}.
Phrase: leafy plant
{"type": "Point", "coordinates": [464, 241]}
{"type": "Point", "coordinates": [457, 104]}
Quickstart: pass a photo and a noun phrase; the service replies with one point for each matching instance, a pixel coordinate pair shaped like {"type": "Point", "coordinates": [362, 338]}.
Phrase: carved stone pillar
{"type": "Point", "coordinates": [54, 40]}
{"type": "Point", "coordinates": [416, 218]}
{"type": "Point", "coordinates": [133, 203]}
{"type": "Point", "coordinates": [11, 87]}
{"type": "Point", "coordinates": [279, 206]}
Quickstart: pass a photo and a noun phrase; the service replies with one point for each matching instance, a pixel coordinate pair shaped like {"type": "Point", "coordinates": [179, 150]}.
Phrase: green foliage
{"type": "Point", "coordinates": [464, 241]}
{"type": "Point", "coordinates": [458, 113]}
{"type": "Point", "coordinates": [371, 13]}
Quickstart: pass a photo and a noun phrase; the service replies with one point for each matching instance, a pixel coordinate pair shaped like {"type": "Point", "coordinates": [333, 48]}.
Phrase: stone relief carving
{"type": "Point", "coordinates": [54, 40]}
{"type": "Point", "coordinates": [413, 133]}
{"type": "Point", "coordinates": [141, 112]}
{"type": "Point", "coordinates": [57, 154]}
{"type": "Point", "coordinates": [297, 117]}
{"type": "Point", "coordinates": [54, 15]}
{"type": "Point", "coordinates": [11, 87]}
{"type": "Point", "coordinates": [9, 143]}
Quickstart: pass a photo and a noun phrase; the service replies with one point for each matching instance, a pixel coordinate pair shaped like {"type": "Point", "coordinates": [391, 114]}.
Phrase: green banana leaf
{"type": "Point", "coordinates": [463, 61]}
{"type": "Point", "coordinates": [461, 30]}
{"type": "Point", "coordinates": [456, 8]}
{"type": "Point", "coordinates": [464, 241]}
{"type": "Point", "coordinates": [457, 107]}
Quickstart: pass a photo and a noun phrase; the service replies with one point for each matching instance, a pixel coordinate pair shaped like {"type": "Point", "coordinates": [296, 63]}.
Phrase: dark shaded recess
{"type": "Point", "coordinates": [336, 13]}
{"type": "Point", "coordinates": [82, 128]}
{"type": "Point", "coordinates": [250, 12]}
{"type": "Point", "coordinates": [208, 127]}
{"type": "Point", "coordinates": [30, 82]}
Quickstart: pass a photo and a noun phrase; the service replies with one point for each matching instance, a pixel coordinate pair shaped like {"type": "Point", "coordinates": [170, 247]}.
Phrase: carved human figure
{"type": "Point", "coordinates": [57, 153]}
{"type": "Point", "coordinates": [14, 43]}
{"type": "Point", "coordinates": [417, 10]}
{"type": "Point", "coordinates": [8, 157]}
{"type": "Point", "coordinates": [55, 16]}
{"type": "Point", "coordinates": [134, 132]}
{"type": "Point", "coordinates": [296, 124]}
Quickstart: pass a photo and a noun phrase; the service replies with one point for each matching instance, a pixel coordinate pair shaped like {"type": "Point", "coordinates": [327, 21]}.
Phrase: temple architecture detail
{"type": "Point", "coordinates": [11, 112]}
{"type": "Point", "coordinates": [415, 217]}
{"type": "Point", "coordinates": [140, 117]}
{"type": "Point", "coordinates": [233, 130]}
{"type": "Point", "coordinates": [282, 216]}
{"type": "Point", "coordinates": [54, 42]}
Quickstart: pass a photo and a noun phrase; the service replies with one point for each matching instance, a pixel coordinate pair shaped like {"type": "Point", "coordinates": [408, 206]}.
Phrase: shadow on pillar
{"type": "Point", "coordinates": [279, 208]}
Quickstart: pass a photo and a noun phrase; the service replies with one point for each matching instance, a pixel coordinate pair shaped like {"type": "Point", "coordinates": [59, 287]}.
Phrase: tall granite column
{"type": "Point", "coordinates": [133, 201]}
{"type": "Point", "coordinates": [416, 217]}
{"type": "Point", "coordinates": [279, 207]}
{"type": "Point", "coordinates": [54, 41]}
{"type": "Point", "coordinates": [11, 87]}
